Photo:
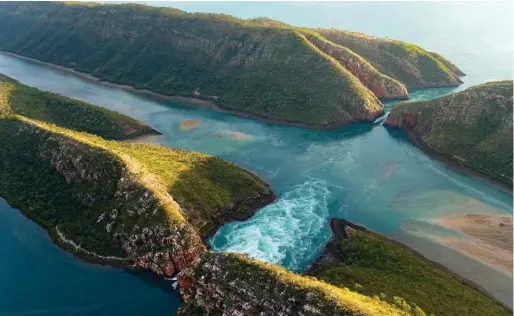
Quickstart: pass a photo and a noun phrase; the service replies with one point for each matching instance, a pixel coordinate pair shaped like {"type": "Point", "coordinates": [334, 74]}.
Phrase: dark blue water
{"type": "Point", "coordinates": [38, 278]}
{"type": "Point", "coordinates": [363, 173]}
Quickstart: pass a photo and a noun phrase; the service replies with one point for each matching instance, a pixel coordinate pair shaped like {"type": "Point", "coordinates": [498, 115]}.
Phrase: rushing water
{"type": "Point", "coordinates": [364, 173]}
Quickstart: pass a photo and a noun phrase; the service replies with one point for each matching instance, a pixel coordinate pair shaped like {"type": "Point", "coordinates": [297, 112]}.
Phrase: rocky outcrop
{"type": "Point", "coordinates": [471, 128]}
{"type": "Point", "coordinates": [404, 120]}
{"type": "Point", "coordinates": [381, 85]}
{"type": "Point", "coordinates": [408, 63]}
{"type": "Point", "coordinates": [137, 217]}
{"type": "Point", "coordinates": [231, 284]}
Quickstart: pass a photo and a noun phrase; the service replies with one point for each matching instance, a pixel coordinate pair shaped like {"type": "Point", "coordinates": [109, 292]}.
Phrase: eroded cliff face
{"type": "Point", "coordinates": [412, 65]}
{"type": "Point", "coordinates": [231, 284]}
{"type": "Point", "coordinates": [381, 85]}
{"type": "Point", "coordinates": [142, 224]}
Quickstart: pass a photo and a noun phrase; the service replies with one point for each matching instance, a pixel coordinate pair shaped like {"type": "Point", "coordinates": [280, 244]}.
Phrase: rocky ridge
{"type": "Point", "coordinates": [257, 68]}
{"type": "Point", "coordinates": [471, 128]}
{"type": "Point", "coordinates": [141, 219]}
{"type": "Point", "coordinates": [232, 284]}
{"type": "Point", "coordinates": [381, 85]}
{"type": "Point", "coordinates": [405, 62]}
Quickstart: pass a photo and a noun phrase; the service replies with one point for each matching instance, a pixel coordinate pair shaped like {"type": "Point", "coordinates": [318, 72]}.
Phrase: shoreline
{"type": "Point", "coordinates": [329, 253]}
{"type": "Point", "coordinates": [253, 208]}
{"type": "Point", "coordinates": [147, 132]}
{"type": "Point", "coordinates": [453, 163]}
{"type": "Point", "coordinates": [486, 237]}
{"type": "Point", "coordinates": [433, 85]}
{"type": "Point", "coordinates": [196, 101]}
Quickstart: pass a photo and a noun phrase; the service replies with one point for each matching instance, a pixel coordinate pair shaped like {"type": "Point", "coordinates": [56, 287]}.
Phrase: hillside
{"type": "Point", "coordinates": [142, 206]}
{"type": "Point", "coordinates": [258, 68]}
{"type": "Point", "coordinates": [232, 284]}
{"type": "Point", "coordinates": [135, 204]}
{"type": "Point", "coordinates": [472, 128]}
{"type": "Point", "coordinates": [374, 265]}
{"type": "Point", "coordinates": [408, 63]}
{"type": "Point", "coordinates": [16, 98]}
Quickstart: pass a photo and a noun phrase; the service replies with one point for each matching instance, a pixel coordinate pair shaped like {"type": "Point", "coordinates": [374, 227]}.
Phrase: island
{"type": "Point", "coordinates": [259, 68]}
{"type": "Point", "coordinates": [471, 129]}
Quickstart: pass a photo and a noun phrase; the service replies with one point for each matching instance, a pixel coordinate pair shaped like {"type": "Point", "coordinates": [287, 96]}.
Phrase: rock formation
{"type": "Point", "coordinates": [231, 284]}
{"type": "Point", "coordinates": [257, 68]}
{"type": "Point", "coordinates": [472, 128]}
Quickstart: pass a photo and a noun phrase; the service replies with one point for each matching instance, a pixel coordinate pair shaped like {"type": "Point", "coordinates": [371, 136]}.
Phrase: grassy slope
{"type": "Point", "coordinates": [410, 64]}
{"type": "Point", "coordinates": [473, 127]}
{"type": "Point", "coordinates": [208, 189]}
{"type": "Point", "coordinates": [269, 288]}
{"type": "Point", "coordinates": [374, 265]}
{"type": "Point", "coordinates": [16, 98]}
{"type": "Point", "coordinates": [204, 186]}
{"type": "Point", "coordinates": [381, 85]}
{"type": "Point", "coordinates": [241, 65]}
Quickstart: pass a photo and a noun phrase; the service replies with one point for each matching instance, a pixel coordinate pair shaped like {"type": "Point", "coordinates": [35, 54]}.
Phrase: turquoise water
{"type": "Point", "coordinates": [364, 173]}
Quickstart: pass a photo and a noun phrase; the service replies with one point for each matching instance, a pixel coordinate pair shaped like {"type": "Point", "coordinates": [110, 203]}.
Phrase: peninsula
{"type": "Point", "coordinates": [375, 265]}
{"type": "Point", "coordinates": [471, 128]}
{"type": "Point", "coordinates": [259, 68]}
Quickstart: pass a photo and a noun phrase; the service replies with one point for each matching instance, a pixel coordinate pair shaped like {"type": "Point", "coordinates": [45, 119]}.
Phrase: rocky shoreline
{"type": "Point", "coordinates": [252, 208]}
{"type": "Point", "coordinates": [450, 161]}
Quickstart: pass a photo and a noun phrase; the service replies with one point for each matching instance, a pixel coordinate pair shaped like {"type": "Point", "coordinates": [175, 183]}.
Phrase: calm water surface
{"type": "Point", "coordinates": [365, 174]}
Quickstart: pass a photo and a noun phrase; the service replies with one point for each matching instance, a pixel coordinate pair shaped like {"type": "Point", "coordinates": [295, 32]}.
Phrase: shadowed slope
{"type": "Point", "coordinates": [473, 127]}
{"type": "Point", "coordinates": [16, 98]}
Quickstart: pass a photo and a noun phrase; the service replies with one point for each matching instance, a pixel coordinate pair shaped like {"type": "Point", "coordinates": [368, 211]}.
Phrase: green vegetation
{"type": "Point", "coordinates": [381, 85]}
{"type": "Point", "coordinates": [251, 287]}
{"type": "Point", "coordinates": [208, 189]}
{"type": "Point", "coordinates": [16, 98]}
{"type": "Point", "coordinates": [376, 266]}
{"type": "Point", "coordinates": [410, 64]}
{"type": "Point", "coordinates": [60, 177]}
{"type": "Point", "coordinates": [472, 127]}
{"type": "Point", "coordinates": [260, 67]}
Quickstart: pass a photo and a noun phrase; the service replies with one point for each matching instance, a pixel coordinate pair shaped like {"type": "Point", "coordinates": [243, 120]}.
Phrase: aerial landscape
{"type": "Point", "coordinates": [258, 158]}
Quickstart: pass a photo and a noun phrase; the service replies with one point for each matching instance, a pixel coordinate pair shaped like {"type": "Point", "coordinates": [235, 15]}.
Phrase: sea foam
{"type": "Point", "coordinates": [287, 232]}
